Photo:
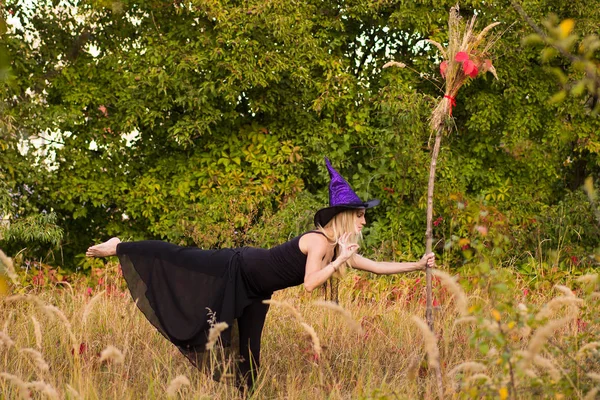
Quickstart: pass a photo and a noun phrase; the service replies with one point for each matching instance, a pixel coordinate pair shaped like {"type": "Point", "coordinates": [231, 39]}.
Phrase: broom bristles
{"type": "Point", "coordinates": [460, 39]}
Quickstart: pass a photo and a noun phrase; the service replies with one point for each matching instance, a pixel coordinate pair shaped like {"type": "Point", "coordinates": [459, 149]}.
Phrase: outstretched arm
{"type": "Point", "coordinates": [390, 267]}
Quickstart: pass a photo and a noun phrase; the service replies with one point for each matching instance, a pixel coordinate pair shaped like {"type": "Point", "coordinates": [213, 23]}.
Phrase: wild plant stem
{"type": "Point", "coordinates": [566, 354]}
{"type": "Point", "coordinates": [513, 386]}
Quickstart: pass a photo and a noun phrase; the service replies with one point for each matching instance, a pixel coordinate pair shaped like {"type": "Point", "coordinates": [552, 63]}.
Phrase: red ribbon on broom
{"type": "Point", "coordinates": [452, 102]}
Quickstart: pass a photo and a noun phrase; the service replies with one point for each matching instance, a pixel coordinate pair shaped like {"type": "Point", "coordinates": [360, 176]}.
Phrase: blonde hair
{"type": "Point", "coordinates": [341, 223]}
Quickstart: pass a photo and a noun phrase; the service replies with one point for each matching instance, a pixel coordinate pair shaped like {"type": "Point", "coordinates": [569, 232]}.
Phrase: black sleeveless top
{"type": "Point", "coordinates": [266, 271]}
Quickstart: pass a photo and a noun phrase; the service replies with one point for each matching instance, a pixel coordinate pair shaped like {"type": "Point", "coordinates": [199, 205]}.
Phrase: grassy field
{"type": "Point", "coordinates": [56, 343]}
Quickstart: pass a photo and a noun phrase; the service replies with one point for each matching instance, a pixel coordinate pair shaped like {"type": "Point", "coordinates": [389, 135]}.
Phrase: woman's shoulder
{"type": "Point", "coordinates": [313, 240]}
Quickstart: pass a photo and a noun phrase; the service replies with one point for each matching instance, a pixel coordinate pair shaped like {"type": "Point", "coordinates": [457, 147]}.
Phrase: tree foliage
{"type": "Point", "coordinates": [204, 121]}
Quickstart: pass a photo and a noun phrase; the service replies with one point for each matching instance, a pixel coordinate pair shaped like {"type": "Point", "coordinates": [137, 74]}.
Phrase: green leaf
{"type": "Point", "coordinates": [532, 39]}
{"type": "Point", "coordinates": [579, 88]}
{"type": "Point", "coordinates": [484, 348]}
{"type": "Point", "coordinates": [549, 53]}
{"type": "Point", "coordinates": [558, 97]}
{"type": "Point", "coordinates": [562, 77]}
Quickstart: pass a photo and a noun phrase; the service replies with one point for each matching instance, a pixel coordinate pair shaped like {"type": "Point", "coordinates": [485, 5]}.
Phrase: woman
{"type": "Point", "coordinates": [183, 290]}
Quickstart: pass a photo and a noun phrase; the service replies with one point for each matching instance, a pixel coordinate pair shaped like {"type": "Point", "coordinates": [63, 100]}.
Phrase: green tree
{"type": "Point", "coordinates": [200, 122]}
{"type": "Point", "coordinates": [21, 223]}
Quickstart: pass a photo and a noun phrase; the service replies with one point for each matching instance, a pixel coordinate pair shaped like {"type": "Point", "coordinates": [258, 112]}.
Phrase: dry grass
{"type": "Point", "coordinates": [386, 357]}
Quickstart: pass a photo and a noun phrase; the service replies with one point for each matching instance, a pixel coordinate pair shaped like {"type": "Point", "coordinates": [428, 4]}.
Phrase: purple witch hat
{"type": "Point", "coordinates": [341, 198]}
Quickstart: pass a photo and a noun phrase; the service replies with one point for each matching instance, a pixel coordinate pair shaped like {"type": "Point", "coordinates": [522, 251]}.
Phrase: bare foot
{"type": "Point", "coordinates": [106, 249]}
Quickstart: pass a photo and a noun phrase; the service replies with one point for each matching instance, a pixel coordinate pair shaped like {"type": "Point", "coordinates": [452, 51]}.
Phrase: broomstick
{"type": "Point", "coordinates": [466, 55]}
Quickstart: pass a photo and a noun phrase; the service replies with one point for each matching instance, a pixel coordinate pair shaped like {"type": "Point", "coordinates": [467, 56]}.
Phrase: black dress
{"type": "Point", "coordinates": [180, 289]}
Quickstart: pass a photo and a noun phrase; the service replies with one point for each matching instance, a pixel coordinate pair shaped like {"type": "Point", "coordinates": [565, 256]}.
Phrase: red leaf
{"type": "Point", "coordinates": [443, 68]}
{"type": "Point", "coordinates": [581, 325]}
{"type": "Point", "coordinates": [468, 66]}
{"type": "Point", "coordinates": [461, 56]}
{"type": "Point", "coordinates": [474, 72]}
{"type": "Point", "coordinates": [574, 259]}
{"type": "Point", "coordinates": [82, 348]}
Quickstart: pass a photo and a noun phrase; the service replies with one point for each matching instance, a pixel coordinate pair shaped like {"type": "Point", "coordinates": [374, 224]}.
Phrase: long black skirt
{"type": "Point", "coordinates": [182, 290]}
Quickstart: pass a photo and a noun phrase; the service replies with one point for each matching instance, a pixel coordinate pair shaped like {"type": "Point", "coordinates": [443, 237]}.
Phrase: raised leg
{"type": "Point", "coordinates": [106, 249]}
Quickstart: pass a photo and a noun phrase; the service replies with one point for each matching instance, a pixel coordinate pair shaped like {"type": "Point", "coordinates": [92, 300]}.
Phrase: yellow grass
{"type": "Point", "coordinates": [124, 357]}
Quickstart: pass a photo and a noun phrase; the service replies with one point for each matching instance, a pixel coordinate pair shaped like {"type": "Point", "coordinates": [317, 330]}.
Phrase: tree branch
{"type": "Point", "coordinates": [540, 32]}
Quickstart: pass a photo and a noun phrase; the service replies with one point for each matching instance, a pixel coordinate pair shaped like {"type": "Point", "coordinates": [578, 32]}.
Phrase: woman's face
{"type": "Point", "coordinates": [359, 219]}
